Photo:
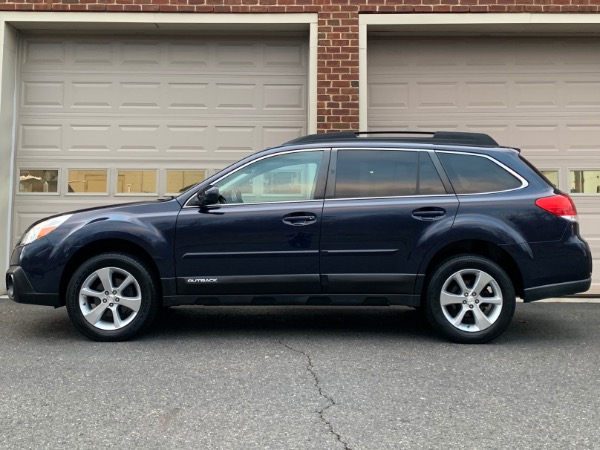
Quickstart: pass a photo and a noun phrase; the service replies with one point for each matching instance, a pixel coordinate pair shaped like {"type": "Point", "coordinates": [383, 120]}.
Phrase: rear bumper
{"type": "Point", "coordinates": [20, 290]}
{"type": "Point", "coordinates": [556, 290]}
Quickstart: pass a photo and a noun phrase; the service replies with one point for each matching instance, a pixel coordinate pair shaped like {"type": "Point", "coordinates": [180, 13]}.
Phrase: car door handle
{"type": "Point", "coordinates": [429, 213]}
{"type": "Point", "coordinates": [299, 219]}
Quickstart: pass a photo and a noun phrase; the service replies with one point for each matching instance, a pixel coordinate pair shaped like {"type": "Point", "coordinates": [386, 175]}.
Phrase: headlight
{"type": "Point", "coordinates": [43, 228]}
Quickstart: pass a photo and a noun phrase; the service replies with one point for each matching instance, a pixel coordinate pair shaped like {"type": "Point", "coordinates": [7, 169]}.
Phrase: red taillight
{"type": "Point", "coordinates": [559, 205]}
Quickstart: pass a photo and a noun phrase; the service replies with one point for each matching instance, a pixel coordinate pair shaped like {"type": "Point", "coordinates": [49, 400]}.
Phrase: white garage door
{"type": "Point", "coordinates": [539, 94]}
{"type": "Point", "coordinates": [107, 119]}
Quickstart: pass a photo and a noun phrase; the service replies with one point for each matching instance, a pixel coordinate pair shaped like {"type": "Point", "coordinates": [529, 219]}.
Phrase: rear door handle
{"type": "Point", "coordinates": [299, 219]}
{"type": "Point", "coordinates": [429, 213]}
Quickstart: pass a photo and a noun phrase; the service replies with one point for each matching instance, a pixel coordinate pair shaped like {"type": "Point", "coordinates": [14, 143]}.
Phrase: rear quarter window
{"type": "Point", "coordinates": [474, 174]}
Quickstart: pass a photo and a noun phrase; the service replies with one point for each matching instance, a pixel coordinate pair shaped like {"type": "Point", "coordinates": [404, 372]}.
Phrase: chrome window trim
{"type": "Point", "coordinates": [390, 197]}
{"type": "Point", "coordinates": [224, 205]}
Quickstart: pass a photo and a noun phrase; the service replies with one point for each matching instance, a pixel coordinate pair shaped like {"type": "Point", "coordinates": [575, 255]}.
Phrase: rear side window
{"type": "Point", "coordinates": [385, 173]}
{"type": "Point", "coordinates": [472, 174]}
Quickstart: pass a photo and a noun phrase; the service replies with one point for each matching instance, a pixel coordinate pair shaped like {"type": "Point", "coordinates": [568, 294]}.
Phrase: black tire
{"type": "Point", "coordinates": [114, 313]}
{"type": "Point", "coordinates": [476, 317]}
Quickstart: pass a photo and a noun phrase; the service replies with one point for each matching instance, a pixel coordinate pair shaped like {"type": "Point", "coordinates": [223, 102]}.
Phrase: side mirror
{"type": "Point", "coordinates": [209, 197]}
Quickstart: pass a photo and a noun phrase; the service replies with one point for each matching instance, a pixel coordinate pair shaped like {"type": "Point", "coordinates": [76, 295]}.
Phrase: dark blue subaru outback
{"type": "Point", "coordinates": [448, 222]}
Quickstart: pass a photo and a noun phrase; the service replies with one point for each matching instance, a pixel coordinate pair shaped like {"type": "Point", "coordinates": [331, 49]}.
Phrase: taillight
{"type": "Point", "coordinates": [560, 205]}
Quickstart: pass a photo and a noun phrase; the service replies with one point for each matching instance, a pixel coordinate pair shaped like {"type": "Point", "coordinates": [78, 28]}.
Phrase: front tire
{"type": "Point", "coordinates": [470, 299]}
{"type": "Point", "coordinates": [112, 297]}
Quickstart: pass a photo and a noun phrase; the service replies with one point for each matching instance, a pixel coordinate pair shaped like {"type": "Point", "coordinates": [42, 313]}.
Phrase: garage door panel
{"type": "Point", "coordinates": [182, 103]}
{"type": "Point", "coordinates": [99, 94]}
{"type": "Point", "coordinates": [538, 94]}
{"type": "Point", "coordinates": [508, 55]}
{"type": "Point", "coordinates": [493, 94]}
{"type": "Point", "coordinates": [77, 137]}
{"type": "Point", "coordinates": [531, 134]}
{"type": "Point", "coordinates": [210, 55]}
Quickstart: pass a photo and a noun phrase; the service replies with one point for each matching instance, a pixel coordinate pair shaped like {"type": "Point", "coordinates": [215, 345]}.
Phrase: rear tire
{"type": "Point", "coordinates": [112, 297]}
{"type": "Point", "coordinates": [470, 299]}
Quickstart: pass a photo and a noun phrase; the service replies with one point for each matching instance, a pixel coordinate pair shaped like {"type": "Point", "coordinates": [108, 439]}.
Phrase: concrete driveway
{"type": "Point", "coordinates": [293, 378]}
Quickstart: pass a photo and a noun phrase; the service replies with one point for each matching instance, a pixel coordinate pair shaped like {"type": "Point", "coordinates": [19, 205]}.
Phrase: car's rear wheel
{"type": "Point", "coordinates": [470, 299]}
{"type": "Point", "coordinates": [112, 297]}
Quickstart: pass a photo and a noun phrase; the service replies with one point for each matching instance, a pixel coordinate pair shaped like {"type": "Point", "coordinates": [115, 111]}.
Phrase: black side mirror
{"type": "Point", "coordinates": [209, 197]}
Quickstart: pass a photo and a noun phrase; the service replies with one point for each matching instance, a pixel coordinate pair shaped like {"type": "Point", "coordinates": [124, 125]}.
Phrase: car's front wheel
{"type": "Point", "coordinates": [112, 297]}
{"type": "Point", "coordinates": [470, 299]}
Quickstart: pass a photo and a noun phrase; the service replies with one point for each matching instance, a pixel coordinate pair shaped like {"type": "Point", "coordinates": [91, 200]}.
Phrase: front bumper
{"type": "Point", "coordinates": [20, 290]}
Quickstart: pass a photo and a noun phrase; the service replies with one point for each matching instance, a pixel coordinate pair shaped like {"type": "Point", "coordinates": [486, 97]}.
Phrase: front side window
{"type": "Point", "coordinates": [279, 178]}
{"type": "Point", "coordinates": [385, 173]}
{"type": "Point", "coordinates": [473, 174]}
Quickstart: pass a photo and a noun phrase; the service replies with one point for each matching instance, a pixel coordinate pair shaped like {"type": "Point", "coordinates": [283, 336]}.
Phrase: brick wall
{"type": "Point", "coordinates": [338, 31]}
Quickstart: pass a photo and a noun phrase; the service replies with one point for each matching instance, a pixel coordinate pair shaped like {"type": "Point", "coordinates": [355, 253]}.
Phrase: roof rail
{"type": "Point", "coordinates": [426, 137]}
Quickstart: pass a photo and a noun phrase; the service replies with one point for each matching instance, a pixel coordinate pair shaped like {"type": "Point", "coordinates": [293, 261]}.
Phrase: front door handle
{"type": "Point", "coordinates": [299, 219]}
{"type": "Point", "coordinates": [429, 213]}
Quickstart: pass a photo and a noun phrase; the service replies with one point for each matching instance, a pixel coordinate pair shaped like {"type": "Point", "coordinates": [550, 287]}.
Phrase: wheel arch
{"type": "Point", "coordinates": [476, 247]}
{"type": "Point", "coordinates": [114, 245]}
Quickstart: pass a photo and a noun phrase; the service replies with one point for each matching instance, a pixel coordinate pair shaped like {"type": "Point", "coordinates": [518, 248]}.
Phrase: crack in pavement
{"type": "Point", "coordinates": [311, 369]}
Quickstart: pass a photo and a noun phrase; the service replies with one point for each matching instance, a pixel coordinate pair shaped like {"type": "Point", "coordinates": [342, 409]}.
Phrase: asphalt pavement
{"type": "Point", "coordinates": [300, 378]}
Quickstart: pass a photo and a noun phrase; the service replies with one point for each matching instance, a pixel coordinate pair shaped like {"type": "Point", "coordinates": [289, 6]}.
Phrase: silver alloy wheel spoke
{"type": "Point", "coordinates": [461, 300]}
{"type": "Point", "coordinates": [483, 279]}
{"type": "Point", "coordinates": [120, 292]}
{"type": "Point", "coordinates": [460, 317]}
{"type": "Point", "coordinates": [481, 319]}
{"type": "Point", "coordinates": [105, 276]}
{"type": "Point", "coordinates": [126, 282]}
{"type": "Point", "coordinates": [451, 299]}
{"type": "Point", "coordinates": [118, 322]}
{"type": "Point", "coordinates": [459, 280]}
{"type": "Point", "coordinates": [132, 303]}
{"type": "Point", "coordinates": [492, 300]}
{"type": "Point", "coordinates": [95, 315]}
{"type": "Point", "coordinates": [92, 293]}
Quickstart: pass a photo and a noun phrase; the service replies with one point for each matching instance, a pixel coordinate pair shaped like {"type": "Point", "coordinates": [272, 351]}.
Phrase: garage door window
{"type": "Point", "coordinates": [136, 182]}
{"type": "Point", "coordinates": [81, 181]}
{"type": "Point", "coordinates": [585, 181]}
{"type": "Point", "coordinates": [551, 176]}
{"type": "Point", "coordinates": [181, 180]}
{"type": "Point", "coordinates": [38, 181]}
